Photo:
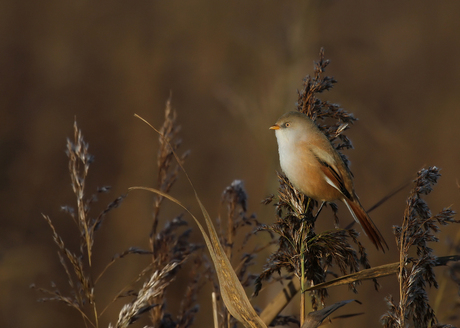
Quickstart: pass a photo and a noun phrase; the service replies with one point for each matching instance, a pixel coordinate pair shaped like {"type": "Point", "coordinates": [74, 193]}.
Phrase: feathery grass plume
{"type": "Point", "coordinates": [415, 272]}
{"type": "Point", "coordinates": [308, 255]}
{"type": "Point", "coordinates": [75, 264]}
{"type": "Point", "coordinates": [155, 286]}
{"type": "Point", "coordinates": [167, 172]}
{"type": "Point", "coordinates": [172, 243]}
{"type": "Point", "coordinates": [319, 110]}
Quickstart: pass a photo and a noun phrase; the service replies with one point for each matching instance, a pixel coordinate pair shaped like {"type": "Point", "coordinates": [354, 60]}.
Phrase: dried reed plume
{"type": "Point", "coordinates": [172, 243]}
{"type": "Point", "coordinates": [418, 229]}
{"type": "Point", "coordinates": [142, 303]}
{"type": "Point", "coordinates": [170, 247]}
{"type": "Point", "coordinates": [81, 282]}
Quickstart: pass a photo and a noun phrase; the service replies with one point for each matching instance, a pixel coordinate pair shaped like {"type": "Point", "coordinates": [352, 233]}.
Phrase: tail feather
{"type": "Point", "coordinates": [369, 227]}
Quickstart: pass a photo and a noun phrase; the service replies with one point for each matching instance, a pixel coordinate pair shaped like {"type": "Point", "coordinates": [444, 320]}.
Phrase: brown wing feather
{"type": "Point", "coordinates": [353, 204]}
{"type": "Point", "coordinates": [333, 175]}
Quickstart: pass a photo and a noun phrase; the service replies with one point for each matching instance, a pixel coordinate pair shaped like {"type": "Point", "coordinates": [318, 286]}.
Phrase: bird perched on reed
{"type": "Point", "coordinates": [315, 168]}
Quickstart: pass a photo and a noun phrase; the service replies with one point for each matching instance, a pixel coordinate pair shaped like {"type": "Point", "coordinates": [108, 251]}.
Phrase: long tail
{"type": "Point", "coordinates": [369, 227]}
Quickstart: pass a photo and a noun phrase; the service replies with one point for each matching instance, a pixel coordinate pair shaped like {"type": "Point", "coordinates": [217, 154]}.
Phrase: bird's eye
{"type": "Point", "coordinates": [287, 124]}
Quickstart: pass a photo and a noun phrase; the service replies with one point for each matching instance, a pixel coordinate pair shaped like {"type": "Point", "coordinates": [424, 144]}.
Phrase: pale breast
{"type": "Point", "coordinates": [303, 170]}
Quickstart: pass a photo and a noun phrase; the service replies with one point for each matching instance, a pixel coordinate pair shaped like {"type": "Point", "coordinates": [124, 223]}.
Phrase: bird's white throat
{"type": "Point", "coordinates": [288, 151]}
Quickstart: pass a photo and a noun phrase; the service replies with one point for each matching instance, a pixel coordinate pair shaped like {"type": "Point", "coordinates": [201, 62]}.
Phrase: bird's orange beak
{"type": "Point", "coordinates": [274, 127]}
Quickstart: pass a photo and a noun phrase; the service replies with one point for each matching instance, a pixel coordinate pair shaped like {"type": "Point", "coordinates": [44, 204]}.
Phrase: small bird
{"type": "Point", "coordinates": [315, 168]}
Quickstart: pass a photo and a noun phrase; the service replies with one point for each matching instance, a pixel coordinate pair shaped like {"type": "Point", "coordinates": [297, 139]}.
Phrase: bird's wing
{"type": "Point", "coordinates": [331, 172]}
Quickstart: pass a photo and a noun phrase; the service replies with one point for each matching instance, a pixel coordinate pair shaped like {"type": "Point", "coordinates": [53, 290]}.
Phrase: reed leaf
{"type": "Point", "coordinates": [233, 293]}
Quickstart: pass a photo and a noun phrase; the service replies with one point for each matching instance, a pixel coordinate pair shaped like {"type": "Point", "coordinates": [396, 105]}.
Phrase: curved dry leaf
{"type": "Point", "coordinates": [233, 293]}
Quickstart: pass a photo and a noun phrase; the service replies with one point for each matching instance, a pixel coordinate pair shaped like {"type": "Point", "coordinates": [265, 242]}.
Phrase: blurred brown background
{"type": "Point", "coordinates": [232, 69]}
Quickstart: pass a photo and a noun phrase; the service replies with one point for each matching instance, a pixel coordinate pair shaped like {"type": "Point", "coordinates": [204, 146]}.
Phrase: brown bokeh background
{"type": "Point", "coordinates": [232, 69]}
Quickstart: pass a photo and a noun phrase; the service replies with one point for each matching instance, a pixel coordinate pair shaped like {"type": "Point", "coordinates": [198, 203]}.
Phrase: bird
{"type": "Point", "coordinates": [316, 169]}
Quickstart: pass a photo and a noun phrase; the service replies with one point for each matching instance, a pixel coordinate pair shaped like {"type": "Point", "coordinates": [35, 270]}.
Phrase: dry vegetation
{"type": "Point", "coordinates": [306, 260]}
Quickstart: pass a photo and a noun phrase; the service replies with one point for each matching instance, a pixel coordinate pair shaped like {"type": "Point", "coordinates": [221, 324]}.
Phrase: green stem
{"type": "Point", "coordinates": [302, 285]}
{"type": "Point", "coordinates": [302, 267]}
